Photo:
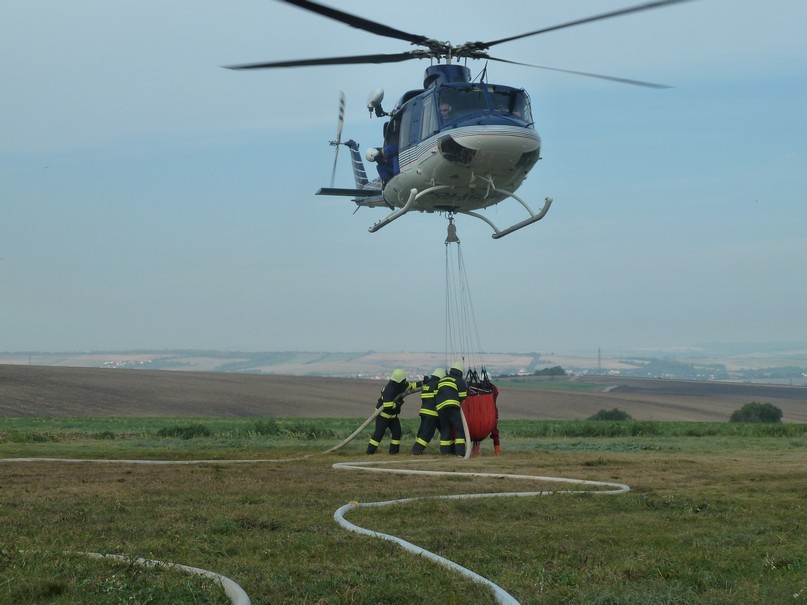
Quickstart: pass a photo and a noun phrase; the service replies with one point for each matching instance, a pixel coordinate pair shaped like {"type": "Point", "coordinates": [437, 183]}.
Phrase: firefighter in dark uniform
{"type": "Point", "coordinates": [391, 401]}
{"type": "Point", "coordinates": [451, 390]}
{"type": "Point", "coordinates": [429, 420]}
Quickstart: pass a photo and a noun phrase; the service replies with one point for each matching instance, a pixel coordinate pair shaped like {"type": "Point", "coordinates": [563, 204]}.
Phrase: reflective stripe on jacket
{"type": "Point", "coordinates": [451, 390]}
{"type": "Point", "coordinates": [392, 396]}
{"type": "Point", "coordinates": [427, 396]}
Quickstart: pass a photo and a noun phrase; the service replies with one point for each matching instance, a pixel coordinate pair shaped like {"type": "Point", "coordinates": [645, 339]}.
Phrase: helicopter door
{"type": "Point", "coordinates": [392, 130]}
{"type": "Point", "coordinates": [392, 136]}
{"type": "Point", "coordinates": [411, 121]}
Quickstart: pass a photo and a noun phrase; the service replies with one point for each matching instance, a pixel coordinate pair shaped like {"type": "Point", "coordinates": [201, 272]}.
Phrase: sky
{"type": "Point", "coordinates": [151, 199]}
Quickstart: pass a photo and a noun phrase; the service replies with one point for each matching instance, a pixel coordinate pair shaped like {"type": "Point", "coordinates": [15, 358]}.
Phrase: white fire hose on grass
{"type": "Point", "coordinates": [237, 595]}
{"type": "Point", "coordinates": [501, 596]}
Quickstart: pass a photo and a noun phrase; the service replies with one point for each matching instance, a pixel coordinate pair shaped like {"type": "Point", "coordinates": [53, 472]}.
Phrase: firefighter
{"type": "Point", "coordinates": [429, 420]}
{"type": "Point", "coordinates": [451, 390]}
{"type": "Point", "coordinates": [391, 400]}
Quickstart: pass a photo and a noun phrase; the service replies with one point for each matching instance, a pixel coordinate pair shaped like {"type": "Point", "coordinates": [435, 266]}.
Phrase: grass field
{"type": "Point", "coordinates": [716, 514]}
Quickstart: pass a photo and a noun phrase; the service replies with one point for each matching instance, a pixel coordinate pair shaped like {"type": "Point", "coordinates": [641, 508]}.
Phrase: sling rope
{"type": "Point", "coordinates": [462, 340]}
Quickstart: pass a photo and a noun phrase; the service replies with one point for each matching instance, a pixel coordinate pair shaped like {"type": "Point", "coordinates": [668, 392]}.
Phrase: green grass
{"type": "Point", "coordinates": [68, 578]}
{"type": "Point", "coordinates": [716, 515]}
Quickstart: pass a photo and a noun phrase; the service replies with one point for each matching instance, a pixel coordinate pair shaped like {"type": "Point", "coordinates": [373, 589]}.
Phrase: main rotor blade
{"type": "Point", "coordinates": [354, 60]}
{"type": "Point", "coordinates": [583, 73]}
{"type": "Point", "coordinates": [616, 13]}
{"type": "Point", "coordinates": [357, 22]}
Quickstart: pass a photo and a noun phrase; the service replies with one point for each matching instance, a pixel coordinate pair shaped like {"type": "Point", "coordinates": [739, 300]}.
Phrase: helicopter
{"type": "Point", "coordinates": [456, 145]}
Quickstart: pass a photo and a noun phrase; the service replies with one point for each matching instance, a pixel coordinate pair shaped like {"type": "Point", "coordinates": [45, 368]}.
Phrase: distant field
{"type": "Point", "coordinates": [69, 391]}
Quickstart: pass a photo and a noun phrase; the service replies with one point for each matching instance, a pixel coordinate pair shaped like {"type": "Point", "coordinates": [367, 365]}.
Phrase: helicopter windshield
{"type": "Point", "coordinates": [456, 101]}
{"type": "Point", "coordinates": [514, 102]}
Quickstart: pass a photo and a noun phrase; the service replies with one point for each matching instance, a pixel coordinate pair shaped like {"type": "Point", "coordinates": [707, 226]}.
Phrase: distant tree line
{"type": "Point", "coordinates": [750, 412]}
{"type": "Point", "coordinates": [615, 414]}
{"type": "Point", "coordinates": [757, 412]}
{"type": "Point", "coordinates": [553, 371]}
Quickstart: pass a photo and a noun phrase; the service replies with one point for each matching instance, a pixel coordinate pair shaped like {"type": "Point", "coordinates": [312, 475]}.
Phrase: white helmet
{"type": "Point", "coordinates": [439, 372]}
{"type": "Point", "coordinates": [372, 154]}
{"type": "Point", "coordinates": [459, 367]}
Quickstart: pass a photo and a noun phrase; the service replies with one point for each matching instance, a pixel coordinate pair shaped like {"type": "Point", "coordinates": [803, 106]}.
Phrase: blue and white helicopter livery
{"type": "Point", "coordinates": [455, 145]}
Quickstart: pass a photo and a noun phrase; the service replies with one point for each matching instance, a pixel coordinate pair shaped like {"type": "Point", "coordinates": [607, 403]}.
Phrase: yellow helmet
{"type": "Point", "coordinates": [439, 372]}
{"type": "Point", "coordinates": [398, 375]}
{"type": "Point", "coordinates": [459, 367]}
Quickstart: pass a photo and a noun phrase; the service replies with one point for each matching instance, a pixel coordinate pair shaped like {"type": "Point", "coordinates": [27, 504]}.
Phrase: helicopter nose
{"type": "Point", "coordinates": [516, 142]}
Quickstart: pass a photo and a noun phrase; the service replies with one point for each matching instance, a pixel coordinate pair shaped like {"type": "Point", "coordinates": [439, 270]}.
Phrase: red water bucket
{"type": "Point", "coordinates": [480, 413]}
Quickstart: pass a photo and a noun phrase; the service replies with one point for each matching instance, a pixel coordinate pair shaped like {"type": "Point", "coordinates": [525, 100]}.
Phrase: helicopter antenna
{"type": "Point", "coordinates": [483, 74]}
{"type": "Point", "coordinates": [338, 141]}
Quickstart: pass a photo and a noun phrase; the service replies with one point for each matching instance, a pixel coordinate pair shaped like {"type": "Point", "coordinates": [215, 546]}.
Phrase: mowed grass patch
{"type": "Point", "coordinates": [710, 519]}
{"type": "Point", "coordinates": [66, 578]}
{"type": "Point", "coordinates": [269, 527]}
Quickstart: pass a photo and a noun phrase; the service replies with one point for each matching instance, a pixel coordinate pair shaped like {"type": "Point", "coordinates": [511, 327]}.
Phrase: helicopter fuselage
{"type": "Point", "coordinates": [454, 146]}
{"type": "Point", "coordinates": [468, 168]}
{"type": "Point", "coordinates": [464, 146]}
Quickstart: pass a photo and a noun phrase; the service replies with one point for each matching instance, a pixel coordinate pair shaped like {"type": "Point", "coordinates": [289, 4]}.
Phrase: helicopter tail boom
{"type": "Point", "coordinates": [360, 193]}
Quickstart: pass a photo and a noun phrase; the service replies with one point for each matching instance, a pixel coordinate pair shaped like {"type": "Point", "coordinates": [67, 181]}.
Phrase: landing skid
{"type": "Point", "coordinates": [414, 195]}
{"type": "Point", "coordinates": [527, 221]}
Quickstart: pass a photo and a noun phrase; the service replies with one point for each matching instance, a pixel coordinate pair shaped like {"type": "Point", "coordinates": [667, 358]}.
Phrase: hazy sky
{"type": "Point", "coordinates": [152, 199]}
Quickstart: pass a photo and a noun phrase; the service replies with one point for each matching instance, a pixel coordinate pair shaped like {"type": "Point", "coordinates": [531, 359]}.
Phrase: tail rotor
{"type": "Point", "coordinates": [336, 143]}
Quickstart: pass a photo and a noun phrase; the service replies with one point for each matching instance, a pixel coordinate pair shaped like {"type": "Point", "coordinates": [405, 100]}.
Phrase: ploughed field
{"type": "Point", "coordinates": [44, 391]}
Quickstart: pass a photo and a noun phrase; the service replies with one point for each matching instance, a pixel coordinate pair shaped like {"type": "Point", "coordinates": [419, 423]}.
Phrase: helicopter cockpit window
{"type": "Point", "coordinates": [428, 125]}
{"type": "Point", "coordinates": [513, 102]}
{"type": "Point", "coordinates": [456, 101]}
